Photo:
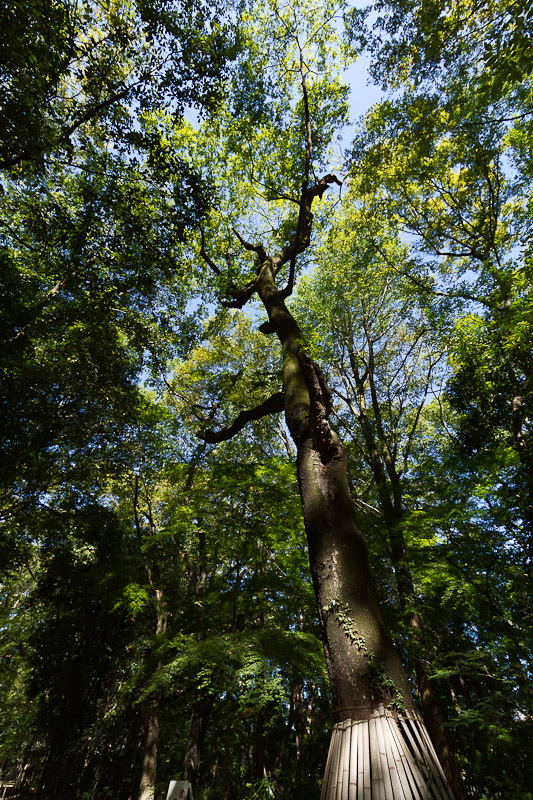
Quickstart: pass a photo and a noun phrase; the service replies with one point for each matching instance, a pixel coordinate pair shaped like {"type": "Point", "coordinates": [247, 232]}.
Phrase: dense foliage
{"type": "Point", "coordinates": [155, 585]}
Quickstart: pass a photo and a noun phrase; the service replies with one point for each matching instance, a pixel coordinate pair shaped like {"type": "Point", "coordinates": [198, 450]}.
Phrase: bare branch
{"type": "Point", "coordinates": [273, 405]}
{"type": "Point", "coordinates": [459, 295]}
{"type": "Point", "coordinates": [210, 263]}
{"type": "Point", "coordinates": [254, 248]}
{"type": "Point", "coordinates": [272, 190]}
{"type": "Point", "coordinates": [411, 435]}
{"type": "Point", "coordinates": [309, 140]}
{"type": "Point", "coordinates": [362, 505]}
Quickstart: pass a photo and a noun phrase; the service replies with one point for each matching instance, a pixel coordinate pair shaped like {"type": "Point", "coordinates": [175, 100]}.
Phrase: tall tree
{"type": "Point", "coordinates": [69, 66]}
{"type": "Point", "coordinates": [364, 668]}
{"type": "Point", "coordinates": [449, 149]}
{"type": "Point", "coordinates": [364, 320]}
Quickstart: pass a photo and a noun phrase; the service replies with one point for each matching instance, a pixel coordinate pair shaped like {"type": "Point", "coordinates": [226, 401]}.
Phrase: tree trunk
{"type": "Point", "coordinates": [371, 694]}
{"type": "Point", "coordinates": [228, 760]}
{"type": "Point", "coordinates": [200, 717]}
{"type": "Point", "coordinates": [149, 759]}
{"type": "Point", "coordinates": [259, 755]}
{"type": "Point", "coordinates": [151, 709]}
{"type": "Point", "coordinates": [429, 695]}
{"type": "Point", "coordinates": [363, 665]}
{"type": "Point", "coordinates": [366, 674]}
{"type": "Point", "coordinates": [383, 463]}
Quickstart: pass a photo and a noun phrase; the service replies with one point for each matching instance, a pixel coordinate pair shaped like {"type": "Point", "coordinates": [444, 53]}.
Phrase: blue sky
{"type": "Point", "coordinates": [363, 94]}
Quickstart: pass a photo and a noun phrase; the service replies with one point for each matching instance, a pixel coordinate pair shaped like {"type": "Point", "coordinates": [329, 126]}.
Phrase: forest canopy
{"type": "Point", "coordinates": [266, 396]}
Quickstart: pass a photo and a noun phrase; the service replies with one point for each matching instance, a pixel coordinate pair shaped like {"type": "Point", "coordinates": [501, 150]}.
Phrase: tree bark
{"type": "Point", "coordinates": [368, 683]}
{"type": "Point", "coordinates": [149, 759]}
{"type": "Point", "coordinates": [363, 665]}
{"type": "Point", "coordinates": [200, 717]}
{"type": "Point", "coordinates": [366, 675]}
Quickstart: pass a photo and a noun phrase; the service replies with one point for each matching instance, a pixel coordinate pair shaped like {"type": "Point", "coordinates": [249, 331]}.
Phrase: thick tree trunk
{"type": "Point", "coordinates": [371, 693]}
{"type": "Point", "coordinates": [368, 683]}
{"type": "Point", "coordinates": [363, 665]}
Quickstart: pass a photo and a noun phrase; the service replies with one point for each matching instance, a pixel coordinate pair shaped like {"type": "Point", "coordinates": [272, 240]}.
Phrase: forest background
{"type": "Point", "coordinates": [158, 615]}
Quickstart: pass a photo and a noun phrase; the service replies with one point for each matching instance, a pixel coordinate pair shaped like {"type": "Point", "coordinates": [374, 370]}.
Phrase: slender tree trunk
{"type": "Point", "coordinates": [202, 707]}
{"type": "Point", "coordinates": [151, 711]}
{"type": "Point", "coordinates": [149, 758]}
{"type": "Point", "coordinates": [259, 755]}
{"type": "Point", "coordinates": [429, 695]}
{"type": "Point", "coordinates": [226, 766]}
{"type": "Point", "coordinates": [521, 443]}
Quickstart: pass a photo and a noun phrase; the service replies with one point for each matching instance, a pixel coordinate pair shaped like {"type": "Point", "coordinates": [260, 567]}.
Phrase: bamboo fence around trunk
{"type": "Point", "coordinates": [386, 757]}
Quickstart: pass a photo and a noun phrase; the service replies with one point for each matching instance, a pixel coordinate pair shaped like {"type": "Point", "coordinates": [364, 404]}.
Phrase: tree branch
{"type": "Point", "coordinates": [287, 291]}
{"type": "Point", "coordinates": [67, 131]}
{"type": "Point", "coordinates": [254, 248]}
{"type": "Point", "coordinates": [210, 263]}
{"type": "Point", "coordinates": [309, 140]}
{"type": "Point", "coordinates": [302, 236]}
{"type": "Point", "coordinates": [240, 297]}
{"type": "Point", "coordinates": [273, 405]}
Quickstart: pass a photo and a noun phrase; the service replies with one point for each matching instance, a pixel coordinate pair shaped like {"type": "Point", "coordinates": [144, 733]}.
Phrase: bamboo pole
{"type": "Point", "coordinates": [352, 787]}
{"type": "Point", "coordinates": [327, 774]}
{"type": "Point", "coordinates": [346, 752]}
{"type": "Point", "coordinates": [385, 757]}
{"type": "Point", "coordinates": [407, 790]}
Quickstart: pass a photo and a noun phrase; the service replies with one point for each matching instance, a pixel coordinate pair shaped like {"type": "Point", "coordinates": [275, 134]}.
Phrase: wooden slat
{"type": "Point", "coordinates": [383, 758]}
{"type": "Point", "coordinates": [327, 772]}
{"type": "Point", "coordinates": [337, 775]}
{"type": "Point", "coordinates": [378, 789]}
{"type": "Point", "coordinates": [382, 754]}
{"type": "Point", "coordinates": [332, 782]}
{"type": "Point", "coordinates": [388, 746]}
{"type": "Point", "coordinates": [423, 769]}
{"type": "Point", "coordinates": [338, 793]}
{"type": "Point", "coordinates": [360, 762]}
{"type": "Point", "coordinates": [433, 780]}
{"type": "Point", "coordinates": [327, 775]}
